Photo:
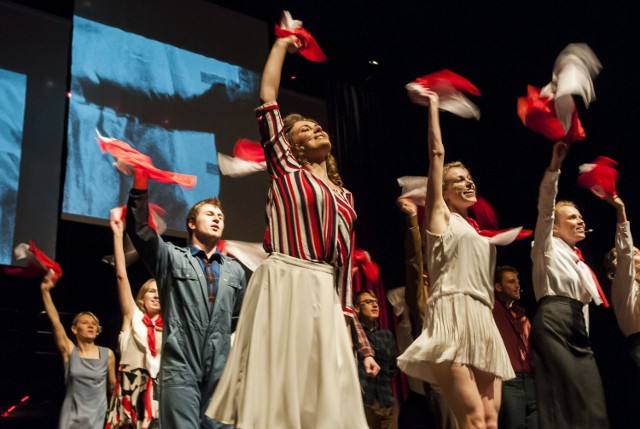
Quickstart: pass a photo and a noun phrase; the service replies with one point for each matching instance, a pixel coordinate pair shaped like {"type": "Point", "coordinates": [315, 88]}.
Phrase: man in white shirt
{"type": "Point", "coordinates": [568, 385]}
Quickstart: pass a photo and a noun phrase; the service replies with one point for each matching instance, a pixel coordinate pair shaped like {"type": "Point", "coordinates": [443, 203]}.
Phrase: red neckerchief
{"type": "Point", "coordinates": [151, 332]}
{"type": "Point", "coordinates": [605, 302]}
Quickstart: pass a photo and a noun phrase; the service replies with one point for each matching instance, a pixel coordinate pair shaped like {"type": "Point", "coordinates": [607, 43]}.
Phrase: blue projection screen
{"type": "Point", "coordinates": [33, 86]}
{"type": "Point", "coordinates": [130, 87]}
{"type": "Point", "coordinates": [178, 81]}
{"type": "Point", "coordinates": [13, 92]}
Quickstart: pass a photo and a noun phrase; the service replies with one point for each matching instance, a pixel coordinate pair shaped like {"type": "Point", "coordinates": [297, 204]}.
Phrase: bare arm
{"type": "Point", "coordinates": [125, 297]}
{"type": "Point", "coordinates": [111, 373]}
{"type": "Point", "coordinates": [64, 344]}
{"type": "Point", "coordinates": [414, 278]}
{"type": "Point", "coordinates": [273, 67]}
{"type": "Point", "coordinates": [436, 212]}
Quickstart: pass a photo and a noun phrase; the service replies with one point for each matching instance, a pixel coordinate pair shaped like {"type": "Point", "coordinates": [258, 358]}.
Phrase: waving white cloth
{"type": "Point", "coordinates": [573, 74]}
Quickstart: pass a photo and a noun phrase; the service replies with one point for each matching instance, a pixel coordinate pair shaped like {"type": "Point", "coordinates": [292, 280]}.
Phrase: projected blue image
{"type": "Point", "coordinates": [13, 90]}
{"type": "Point", "coordinates": [158, 98]}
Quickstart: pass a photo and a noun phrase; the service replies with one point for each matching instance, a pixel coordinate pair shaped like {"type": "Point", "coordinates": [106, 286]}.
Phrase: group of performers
{"type": "Point", "coordinates": [292, 362]}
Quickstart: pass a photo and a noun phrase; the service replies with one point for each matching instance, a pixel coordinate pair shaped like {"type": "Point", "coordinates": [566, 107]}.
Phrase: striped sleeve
{"type": "Point", "coordinates": [277, 149]}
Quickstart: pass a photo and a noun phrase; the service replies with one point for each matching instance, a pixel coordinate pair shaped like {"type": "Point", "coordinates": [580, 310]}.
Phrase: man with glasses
{"type": "Point", "coordinates": [377, 393]}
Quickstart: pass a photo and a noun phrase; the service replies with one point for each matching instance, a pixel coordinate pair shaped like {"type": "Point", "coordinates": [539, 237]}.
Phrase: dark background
{"type": "Point", "coordinates": [380, 135]}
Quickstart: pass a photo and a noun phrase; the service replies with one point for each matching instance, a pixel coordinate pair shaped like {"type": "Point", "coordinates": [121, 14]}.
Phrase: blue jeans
{"type": "Point", "coordinates": [519, 408]}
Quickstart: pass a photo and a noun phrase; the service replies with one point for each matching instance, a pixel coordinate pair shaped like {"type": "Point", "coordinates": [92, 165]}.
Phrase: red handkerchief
{"type": "Point", "coordinates": [248, 150]}
{"type": "Point", "coordinates": [156, 214]}
{"type": "Point", "coordinates": [539, 115]}
{"type": "Point", "coordinates": [450, 87]}
{"type": "Point", "coordinates": [39, 264]}
{"type": "Point", "coordinates": [484, 213]}
{"type": "Point", "coordinates": [444, 79]}
{"type": "Point", "coordinates": [248, 158]}
{"type": "Point", "coordinates": [125, 154]}
{"type": "Point", "coordinates": [600, 177]}
{"type": "Point", "coordinates": [291, 27]}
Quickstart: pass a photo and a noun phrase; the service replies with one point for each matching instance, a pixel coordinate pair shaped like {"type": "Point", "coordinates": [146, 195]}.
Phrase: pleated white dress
{"type": "Point", "coordinates": [290, 375]}
{"type": "Point", "coordinates": [459, 325]}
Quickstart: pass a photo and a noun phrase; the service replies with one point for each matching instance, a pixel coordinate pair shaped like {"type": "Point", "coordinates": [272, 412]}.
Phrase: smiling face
{"type": "Point", "coordinates": [568, 224]}
{"type": "Point", "coordinates": [459, 190]}
{"type": "Point", "coordinates": [148, 299]}
{"type": "Point", "coordinates": [313, 140]}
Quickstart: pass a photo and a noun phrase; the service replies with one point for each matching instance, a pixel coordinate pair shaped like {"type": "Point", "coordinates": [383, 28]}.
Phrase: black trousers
{"type": "Point", "coordinates": [568, 386]}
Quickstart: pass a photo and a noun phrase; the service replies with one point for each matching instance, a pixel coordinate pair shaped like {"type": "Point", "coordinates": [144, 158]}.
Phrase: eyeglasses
{"type": "Point", "coordinates": [369, 301]}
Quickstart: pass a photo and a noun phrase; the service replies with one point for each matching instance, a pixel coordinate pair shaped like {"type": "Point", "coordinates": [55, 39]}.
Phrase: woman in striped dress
{"type": "Point", "coordinates": [291, 364]}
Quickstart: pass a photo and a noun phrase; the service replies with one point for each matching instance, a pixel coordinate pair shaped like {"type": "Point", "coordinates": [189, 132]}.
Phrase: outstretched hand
{"type": "Point", "coordinates": [407, 206]}
{"type": "Point", "coordinates": [560, 151]}
{"type": "Point", "coordinates": [433, 97]}
{"type": "Point", "coordinates": [292, 43]}
{"type": "Point", "coordinates": [615, 200]}
{"type": "Point", "coordinates": [140, 178]}
{"type": "Point", "coordinates": [116, 223]}
{"type": "Point", "coordinates": [48, 281]}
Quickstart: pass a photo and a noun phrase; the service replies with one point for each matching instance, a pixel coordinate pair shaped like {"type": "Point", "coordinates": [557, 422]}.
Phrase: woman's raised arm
{"type": "Point", "coordinates": [436, 212]}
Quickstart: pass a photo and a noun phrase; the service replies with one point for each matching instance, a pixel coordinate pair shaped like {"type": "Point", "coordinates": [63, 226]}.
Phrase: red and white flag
{"type": "Point", "coordinates": [450, 88]}
{"type": "Point", "coordinates": [600, 177]}
{"type": "Point", "coordinates": [551, 111]}
{"type": "Point", "coordinates": [309, 46]}
{"type": "Point", "coordinates": [248, 158]}
{"type": "Point", "coordinates": [127, 156]}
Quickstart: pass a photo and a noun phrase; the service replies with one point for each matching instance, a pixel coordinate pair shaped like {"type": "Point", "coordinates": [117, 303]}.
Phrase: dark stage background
{"type": "Point", "coordinates": [379, 136]}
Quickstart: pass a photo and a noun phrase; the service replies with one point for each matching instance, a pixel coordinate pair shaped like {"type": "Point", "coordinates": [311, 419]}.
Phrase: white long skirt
{"type": "Point", "coordinates": [291, 365]}
{"type": "Point", "coordinates": [457, 328]}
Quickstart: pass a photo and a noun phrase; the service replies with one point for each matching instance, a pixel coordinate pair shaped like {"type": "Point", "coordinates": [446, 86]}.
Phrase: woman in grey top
{"type": "Point", "coordinates": [87, 367]}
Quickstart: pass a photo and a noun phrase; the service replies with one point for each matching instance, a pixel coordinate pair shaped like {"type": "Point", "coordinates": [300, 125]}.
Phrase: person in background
{"type": "Point", "coordinates": [623, 269]}
{"type": "Point", "coordinates": [377, 392]}
{"type": "Point", "coordinates": [135, 399]}
{"type": "Point", "coordinates": [519, 408]}
{"type": "Point", "coordinates": [89, 369]}
{"type": "Point", "coordinates": [413, 413]}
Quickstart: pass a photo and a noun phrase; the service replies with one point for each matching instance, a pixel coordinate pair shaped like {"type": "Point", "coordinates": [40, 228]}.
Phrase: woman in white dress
{"type": "Point", "coordinates": [460, 348]}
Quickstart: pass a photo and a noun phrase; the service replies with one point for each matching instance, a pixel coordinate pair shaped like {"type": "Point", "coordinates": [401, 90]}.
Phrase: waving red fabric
{"type": "Point", "coordinates": [124, 153]}
{"type": "Point", "coordinates": [539, 115]}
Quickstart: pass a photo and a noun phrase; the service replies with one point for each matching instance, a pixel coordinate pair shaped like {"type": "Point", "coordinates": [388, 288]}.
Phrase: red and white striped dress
{"type": "Point", "coordinates": [291, 364]}
{"type": "Point", "coordinates": [306, 219]}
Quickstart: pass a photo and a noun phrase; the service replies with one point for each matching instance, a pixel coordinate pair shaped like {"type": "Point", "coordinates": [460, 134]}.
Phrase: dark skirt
{"type": "Point", "coordinates": [568, 385]}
